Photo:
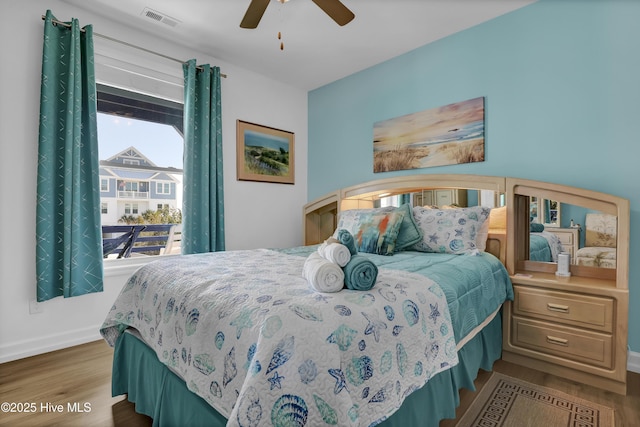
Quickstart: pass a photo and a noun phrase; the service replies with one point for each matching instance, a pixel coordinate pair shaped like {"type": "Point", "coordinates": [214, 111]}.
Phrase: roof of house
{"type": "Point", "coordinates": [145, 169]}
{"type": "Point", "coordinates": [131, 153]}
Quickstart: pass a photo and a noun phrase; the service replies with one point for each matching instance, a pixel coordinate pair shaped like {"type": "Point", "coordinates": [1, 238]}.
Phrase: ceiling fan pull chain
{"type": "Point", "coordinates": [282, 2]}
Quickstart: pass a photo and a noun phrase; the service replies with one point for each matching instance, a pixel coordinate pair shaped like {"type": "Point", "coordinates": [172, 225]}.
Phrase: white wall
{"type": "Point", "coordinates": [257, 214]}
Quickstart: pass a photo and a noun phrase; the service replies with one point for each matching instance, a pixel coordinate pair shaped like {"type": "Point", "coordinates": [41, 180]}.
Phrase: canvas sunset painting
{"type": "Point", "coordinates": [447, 135]}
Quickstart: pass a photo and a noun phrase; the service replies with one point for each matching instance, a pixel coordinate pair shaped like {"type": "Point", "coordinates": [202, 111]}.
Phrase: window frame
{"type": "Point", "coordinates": [104, 180]}
{"type": "Point", "coordinates": [163, 187]}
{"type": "Point", "coordinates": [129, 103]}
{"type": "Point", "coordinates": [132, 208]}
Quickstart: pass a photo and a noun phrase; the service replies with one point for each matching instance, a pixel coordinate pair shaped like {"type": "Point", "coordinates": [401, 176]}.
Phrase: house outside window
{"type": "Point", "coordinates": [140, 151]}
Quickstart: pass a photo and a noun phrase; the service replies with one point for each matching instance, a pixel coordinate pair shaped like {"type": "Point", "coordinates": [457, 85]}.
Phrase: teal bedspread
{"type": "Point", "coordinates": [539, 249]}
{"type": "Point", "coordinates": [475, 285]}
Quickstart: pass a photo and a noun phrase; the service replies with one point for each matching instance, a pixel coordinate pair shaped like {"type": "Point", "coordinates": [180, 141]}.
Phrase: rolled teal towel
{"type": "Point", "coordinates": [536, 227]}
{"type": "Point", "coordinates": [346, 238]}
{"type": "Point", "coordinates": [360, 273]}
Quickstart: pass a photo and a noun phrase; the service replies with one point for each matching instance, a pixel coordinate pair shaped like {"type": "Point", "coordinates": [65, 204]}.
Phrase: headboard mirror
{"type": "Point", "coordinates": [599, 220]}
{"type": "Point", "coordinates": [419, 190]}
{"type": "Point", "coordinates": [589, 236]}
{"type": "Point", "coordinates": [426, 190]}
{"type": "Point", "coordinates": [439, 198]}
{"type": "Point", "coordinates": [581, 223]}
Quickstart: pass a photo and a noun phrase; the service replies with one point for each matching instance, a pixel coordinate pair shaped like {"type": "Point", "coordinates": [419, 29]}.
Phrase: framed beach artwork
{"type": "Point", "coordinates": [447, 135]}
{"type": "Point", "coordinates": [264, 153]}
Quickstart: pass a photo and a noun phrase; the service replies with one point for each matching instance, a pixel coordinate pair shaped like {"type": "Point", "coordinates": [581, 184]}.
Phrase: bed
{"type": "Point", "coordinates": [239, 338]}
{"type": "Point", "coordinates": [544, 246]}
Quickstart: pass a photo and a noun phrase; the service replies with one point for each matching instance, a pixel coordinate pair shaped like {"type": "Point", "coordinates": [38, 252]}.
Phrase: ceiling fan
{"type": "Point", "coordinates": [334, 8]}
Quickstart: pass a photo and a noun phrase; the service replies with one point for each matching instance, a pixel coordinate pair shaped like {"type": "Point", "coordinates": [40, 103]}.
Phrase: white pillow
{"type": "Point", "coordinates": [481, 237]}
{"type": "Point", "coordinates": [453, 231]}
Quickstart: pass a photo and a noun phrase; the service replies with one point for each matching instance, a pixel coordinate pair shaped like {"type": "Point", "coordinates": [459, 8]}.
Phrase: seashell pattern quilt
{"type": "Point", "coordinates": [252, 338]}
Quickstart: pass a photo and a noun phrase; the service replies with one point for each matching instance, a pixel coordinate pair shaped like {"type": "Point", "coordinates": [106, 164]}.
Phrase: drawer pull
{"type": "Point", "coordinates": [558, 308]}
{"type": "Point", "coordinates": [557, 341]}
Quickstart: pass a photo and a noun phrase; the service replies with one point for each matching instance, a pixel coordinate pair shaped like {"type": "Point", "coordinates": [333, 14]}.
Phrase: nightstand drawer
{"type": "Point", "coordinates": [565, 238]}
{"type": "Point", "coordinates": [582, 346]}
{"type": "Point", "coordinates": [569, 308]}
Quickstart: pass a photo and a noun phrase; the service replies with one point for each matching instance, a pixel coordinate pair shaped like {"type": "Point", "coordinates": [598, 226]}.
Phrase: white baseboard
{"type": "Point", "coordinates": [37, 346]}
{"type": "Point", "coordinates": [633, 362]}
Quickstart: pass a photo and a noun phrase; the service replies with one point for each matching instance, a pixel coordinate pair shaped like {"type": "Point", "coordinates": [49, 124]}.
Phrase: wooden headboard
{"type": "Point", "coordinates": [497, 245]}
{"type": "Point", "coordinates": [320, 216]}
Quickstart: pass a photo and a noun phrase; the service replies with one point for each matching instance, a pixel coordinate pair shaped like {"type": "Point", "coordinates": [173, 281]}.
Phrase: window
{"type": "Point", "coordinates": [139, 141]}
{"type": "Point", "coordinates": [131, 209]}
{"type": "Point", "coordinates": [131, 186]}
{"type": "Point", "coordinates": [163, 188]}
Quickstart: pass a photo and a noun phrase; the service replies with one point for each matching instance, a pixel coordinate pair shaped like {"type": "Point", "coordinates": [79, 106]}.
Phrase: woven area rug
{"type": "Point", "coordinates": [509, 402]}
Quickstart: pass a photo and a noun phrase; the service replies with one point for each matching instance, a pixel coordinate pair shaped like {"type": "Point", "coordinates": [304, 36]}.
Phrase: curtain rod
{"type": "Point", "coordinates": [64, 24]}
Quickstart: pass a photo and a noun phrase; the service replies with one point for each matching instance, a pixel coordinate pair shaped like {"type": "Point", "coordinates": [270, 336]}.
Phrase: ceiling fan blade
{"type": "Point", "coordinates": [254, 13]}
{"type": "Point", "coordinates": [336, 10]}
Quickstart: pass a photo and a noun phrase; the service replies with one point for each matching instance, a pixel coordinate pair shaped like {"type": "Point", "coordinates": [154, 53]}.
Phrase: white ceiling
{"type": "Point", "coordinates": [316, 50]}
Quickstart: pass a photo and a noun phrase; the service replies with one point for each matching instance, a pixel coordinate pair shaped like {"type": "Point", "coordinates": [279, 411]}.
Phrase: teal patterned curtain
{"type": "Point", "coordinates": [203, 204]}
{"type": "Point", "coordinates": [69, 240]}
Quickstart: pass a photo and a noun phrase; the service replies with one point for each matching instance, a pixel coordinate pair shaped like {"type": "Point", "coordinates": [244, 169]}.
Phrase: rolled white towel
{"type": "Point", "coordinates": [335, 252]}
{"type": "Point", "coordinates": [322, 274]}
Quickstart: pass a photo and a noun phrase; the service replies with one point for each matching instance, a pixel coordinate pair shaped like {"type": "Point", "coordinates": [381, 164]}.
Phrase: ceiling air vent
{"type": "Point", "coordinates": [159, 17]}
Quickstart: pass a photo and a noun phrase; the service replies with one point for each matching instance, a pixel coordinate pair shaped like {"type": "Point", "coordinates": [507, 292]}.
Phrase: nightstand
{"type": "Point", "coordinates": [570, 327]}
{"type": "Point", "coordinates": [569, 238]}
{"type": "Point", "coordinates": [573, 326]}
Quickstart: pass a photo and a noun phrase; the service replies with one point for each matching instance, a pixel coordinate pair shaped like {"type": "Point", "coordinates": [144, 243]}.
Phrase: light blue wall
{"type": "Point", "coordinates": [562, 85]}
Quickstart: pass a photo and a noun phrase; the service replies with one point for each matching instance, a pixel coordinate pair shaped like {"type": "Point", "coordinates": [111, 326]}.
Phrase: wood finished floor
{"type": "Point", "coordinates": [82, 374]}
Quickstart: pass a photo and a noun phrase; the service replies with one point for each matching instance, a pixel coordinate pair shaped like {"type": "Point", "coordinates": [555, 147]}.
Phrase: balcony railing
{"type": "Point", "coordinates": [123, 240]}
{"type": "Point", "coordinates": [133, 194]}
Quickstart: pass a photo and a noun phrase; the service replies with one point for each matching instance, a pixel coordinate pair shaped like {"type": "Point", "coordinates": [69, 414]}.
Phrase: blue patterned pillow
{"type": "Point", "coordinates": [375, 230]}
{"type": "Point", "coordinates": [452, 231]}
